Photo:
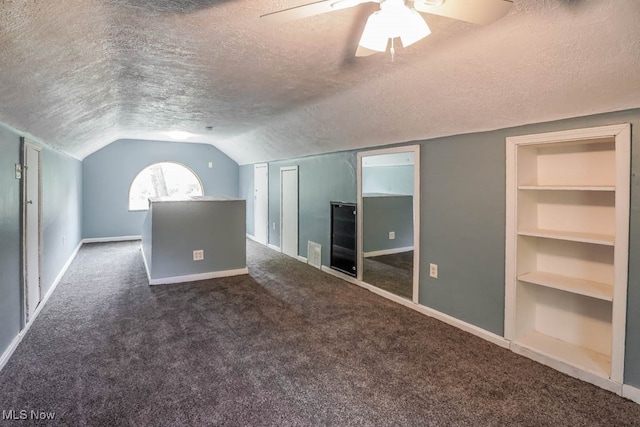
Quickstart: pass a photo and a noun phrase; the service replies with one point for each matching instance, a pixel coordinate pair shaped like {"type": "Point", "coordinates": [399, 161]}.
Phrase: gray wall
{"type": "Point", "coordinates": [246, 192]}
{"type": "Point", "coordinates": [179, 228]}
{"type": "Point", "coordinates": [463, 226]}
{"type": "Point", "coordinates": [382, 214]}
{"type": "Point", "coordinates": [388, 179]}
{"type": "Point", "coordinates": [321, 179]}
{"type": "Point", "coordinates": [61, 207]}
{"type": "Point", "coordinates": [107, 175]}
{"type": "Point", "coordinates": [462, 219]}
{"type": "Point", "coordinates": [10, 295]}
{"type": "Point", "coordinates": [61, 211]}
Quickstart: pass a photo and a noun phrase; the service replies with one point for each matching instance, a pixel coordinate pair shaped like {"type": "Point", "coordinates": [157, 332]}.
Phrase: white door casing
{"type": "Point", "coordinates": [289, 210]}
{"type": "Point", "coordinates": [32, 229]}
{"type": "Point", "coordinates": [261, 203]}
{"type": "Point", "coordinates": [415, 149]}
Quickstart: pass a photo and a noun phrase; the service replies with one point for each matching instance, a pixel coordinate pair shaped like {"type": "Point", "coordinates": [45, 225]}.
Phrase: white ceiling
{"type": "Point", "coordinates": [79, 74]}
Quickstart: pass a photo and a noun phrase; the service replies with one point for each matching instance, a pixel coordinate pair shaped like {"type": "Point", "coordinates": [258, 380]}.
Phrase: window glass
{"type": "Point", "coordinates": [162, 180]}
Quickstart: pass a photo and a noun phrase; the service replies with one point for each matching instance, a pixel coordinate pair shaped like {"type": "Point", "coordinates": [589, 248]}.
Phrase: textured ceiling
{"type": "Point", "coordinates": [79, 74]}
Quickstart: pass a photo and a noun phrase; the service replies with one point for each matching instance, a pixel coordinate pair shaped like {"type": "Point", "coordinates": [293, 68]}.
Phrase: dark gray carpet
{"type": "Point", "coordinates": [393, 273]}
{"type": "Point", "coordinates": [288, 345]}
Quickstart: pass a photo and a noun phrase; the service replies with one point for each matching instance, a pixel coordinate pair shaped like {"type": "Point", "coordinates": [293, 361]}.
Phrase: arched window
{"type": "Point", "coordinates": [161, 180]}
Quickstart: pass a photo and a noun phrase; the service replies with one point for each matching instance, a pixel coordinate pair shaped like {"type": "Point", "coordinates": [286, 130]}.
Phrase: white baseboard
{"type": "Point", "coordinates": [340, 275]}
{"type": "Point", "coordinates": [460, 324]}
{"type": "Point", "coordinates": [301, 258]}
{"type": "Point", "coordinates": [65, 267]}
{"type": "Point", "coordinates": [467, 327]}
{"type": "Point", "coordinates": [568, 369]}
{"type": "Point", "coordinates": [111, 239]}
{"type": "Point", "coordinates": [387, 252]}
{"type": "Point", "coordinates": [631, 393]}
{"type": "Point", "coordinates": [6, 355]}
{"type": "Point", "coordinates": [275, 248]}
{"type": "Point", "coordinates": [199, 276]}
{"type": "Point", "coordinates": [9, 351]}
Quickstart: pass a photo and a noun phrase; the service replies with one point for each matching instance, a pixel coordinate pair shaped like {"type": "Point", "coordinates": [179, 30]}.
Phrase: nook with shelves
{"type": "Point", "coordinates": [567, 250]}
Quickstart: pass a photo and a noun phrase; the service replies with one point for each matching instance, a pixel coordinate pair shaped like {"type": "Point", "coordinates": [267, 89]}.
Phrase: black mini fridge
{"type": "Point", "coordinates": [343, 238]}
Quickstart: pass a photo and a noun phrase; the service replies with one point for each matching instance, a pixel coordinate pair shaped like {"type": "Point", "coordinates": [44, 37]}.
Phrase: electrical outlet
{"type": "Point", "coordinates": [392, 235]}
{"type": "Point", "coordinates": [198, 255]}
{"type": "Point", "coordinates": [433, 270]}
{"type": "Point", "coordinates": [210, 165]}
{"type": "Point", "coordinates": [274, 225]}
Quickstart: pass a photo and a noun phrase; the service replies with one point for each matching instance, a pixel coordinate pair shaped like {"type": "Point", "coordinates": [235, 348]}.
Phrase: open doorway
{"type": "Point", "coordinates": [388, 226]}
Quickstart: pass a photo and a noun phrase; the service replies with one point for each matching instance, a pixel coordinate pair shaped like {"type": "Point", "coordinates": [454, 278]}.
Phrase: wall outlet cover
{"type": "Point", "coordinates": [433, 270]}
{"type": "Point", "coordinates": [392, 235]}
{"type": "Point", "coordinates": [198, 255]}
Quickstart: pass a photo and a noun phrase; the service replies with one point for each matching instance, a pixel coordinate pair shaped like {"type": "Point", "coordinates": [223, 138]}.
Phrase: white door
{"type": "Point", "coordinates": [261, 203]}
{"type": "Point", "coordinates": [31, 229]}
{"type": "Point", "coordinates": [289, 210]}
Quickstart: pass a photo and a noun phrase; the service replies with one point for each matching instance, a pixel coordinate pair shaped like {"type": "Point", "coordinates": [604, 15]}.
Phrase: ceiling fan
{"type": "Point", "coordinates": [397, 20]}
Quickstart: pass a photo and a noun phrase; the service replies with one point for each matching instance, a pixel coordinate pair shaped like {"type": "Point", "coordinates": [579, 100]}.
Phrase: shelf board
{"type": "Point", "coordinates": [598, 239]}
{"type": "Point", "coordinates": [587, 288]}
{"type": "Point", "coordinates": [571, 354]}
{"type": "Point", "coordinates": [568, 187]}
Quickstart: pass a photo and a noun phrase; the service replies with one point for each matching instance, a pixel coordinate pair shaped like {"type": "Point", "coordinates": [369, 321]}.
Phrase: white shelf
{"type": "Point", "coordinates": [597, 239]}
{"type": "Point", "coordinates": [568, 187]}
{"type": "Point", "coordinates": [587, 288]}
{"type": "Point", "coordinates": [567, 250]}
{"type": "Point", "coordinates": [579, 357]}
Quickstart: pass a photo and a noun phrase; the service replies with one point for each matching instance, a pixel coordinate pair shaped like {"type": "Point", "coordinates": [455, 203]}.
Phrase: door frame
{"type": "Point", "coordinates": [415, 149]}
{"type": "Point", "coordinates": [25, 143]}
{"type": "Point", "coordinates": [255, 205]}
{"type": "Point", "coordinates": [286, 169]}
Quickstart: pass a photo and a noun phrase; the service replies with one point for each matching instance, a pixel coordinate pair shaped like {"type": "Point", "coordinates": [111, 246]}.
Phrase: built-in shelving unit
{"type": "Point", "coordinates": [567, 250]}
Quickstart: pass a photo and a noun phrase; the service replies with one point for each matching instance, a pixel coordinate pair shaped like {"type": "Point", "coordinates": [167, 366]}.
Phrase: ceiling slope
{"type": "Point", "coordinates": [80, 74]}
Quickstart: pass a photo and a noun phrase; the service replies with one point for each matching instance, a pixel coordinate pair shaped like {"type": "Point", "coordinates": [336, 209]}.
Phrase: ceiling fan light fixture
{"type": "Point", "coordinates": [376, 34]}
{"type": "Point", "coordinates": [393, 20]}
{"type": "Point", "coordinates": [414, 28]}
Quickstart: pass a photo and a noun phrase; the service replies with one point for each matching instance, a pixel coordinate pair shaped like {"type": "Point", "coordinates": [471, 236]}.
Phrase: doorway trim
{"type": "Point", "coordinates": [415, 149]}
{"type": "Point", "coordinates": [256, 223]}
{"type": "Point", "coordinates": [24, 232]}
{"type": "Point", "coordinates": [282, 225]}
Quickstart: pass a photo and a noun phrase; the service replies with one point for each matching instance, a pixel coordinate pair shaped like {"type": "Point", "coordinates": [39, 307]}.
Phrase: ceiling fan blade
{"type": "Point", "coordinates": [311, 9]}
{"type": "Point", "coordinates": [475, 11]}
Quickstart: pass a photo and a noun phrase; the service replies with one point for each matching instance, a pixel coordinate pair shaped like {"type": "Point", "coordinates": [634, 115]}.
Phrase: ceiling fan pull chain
{"type": "Point", "coordinates": [393, 51]}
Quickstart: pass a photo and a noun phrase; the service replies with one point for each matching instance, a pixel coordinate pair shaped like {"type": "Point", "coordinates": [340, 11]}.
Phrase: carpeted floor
{"type": "Point", "coordinates": [393, 273]}
{"type": "Point", "coordinates": [288, 345]}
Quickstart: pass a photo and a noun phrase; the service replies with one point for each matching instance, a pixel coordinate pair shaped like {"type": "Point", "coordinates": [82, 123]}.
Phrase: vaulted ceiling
{"type": "Point", "coordinates": [79, 74]}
